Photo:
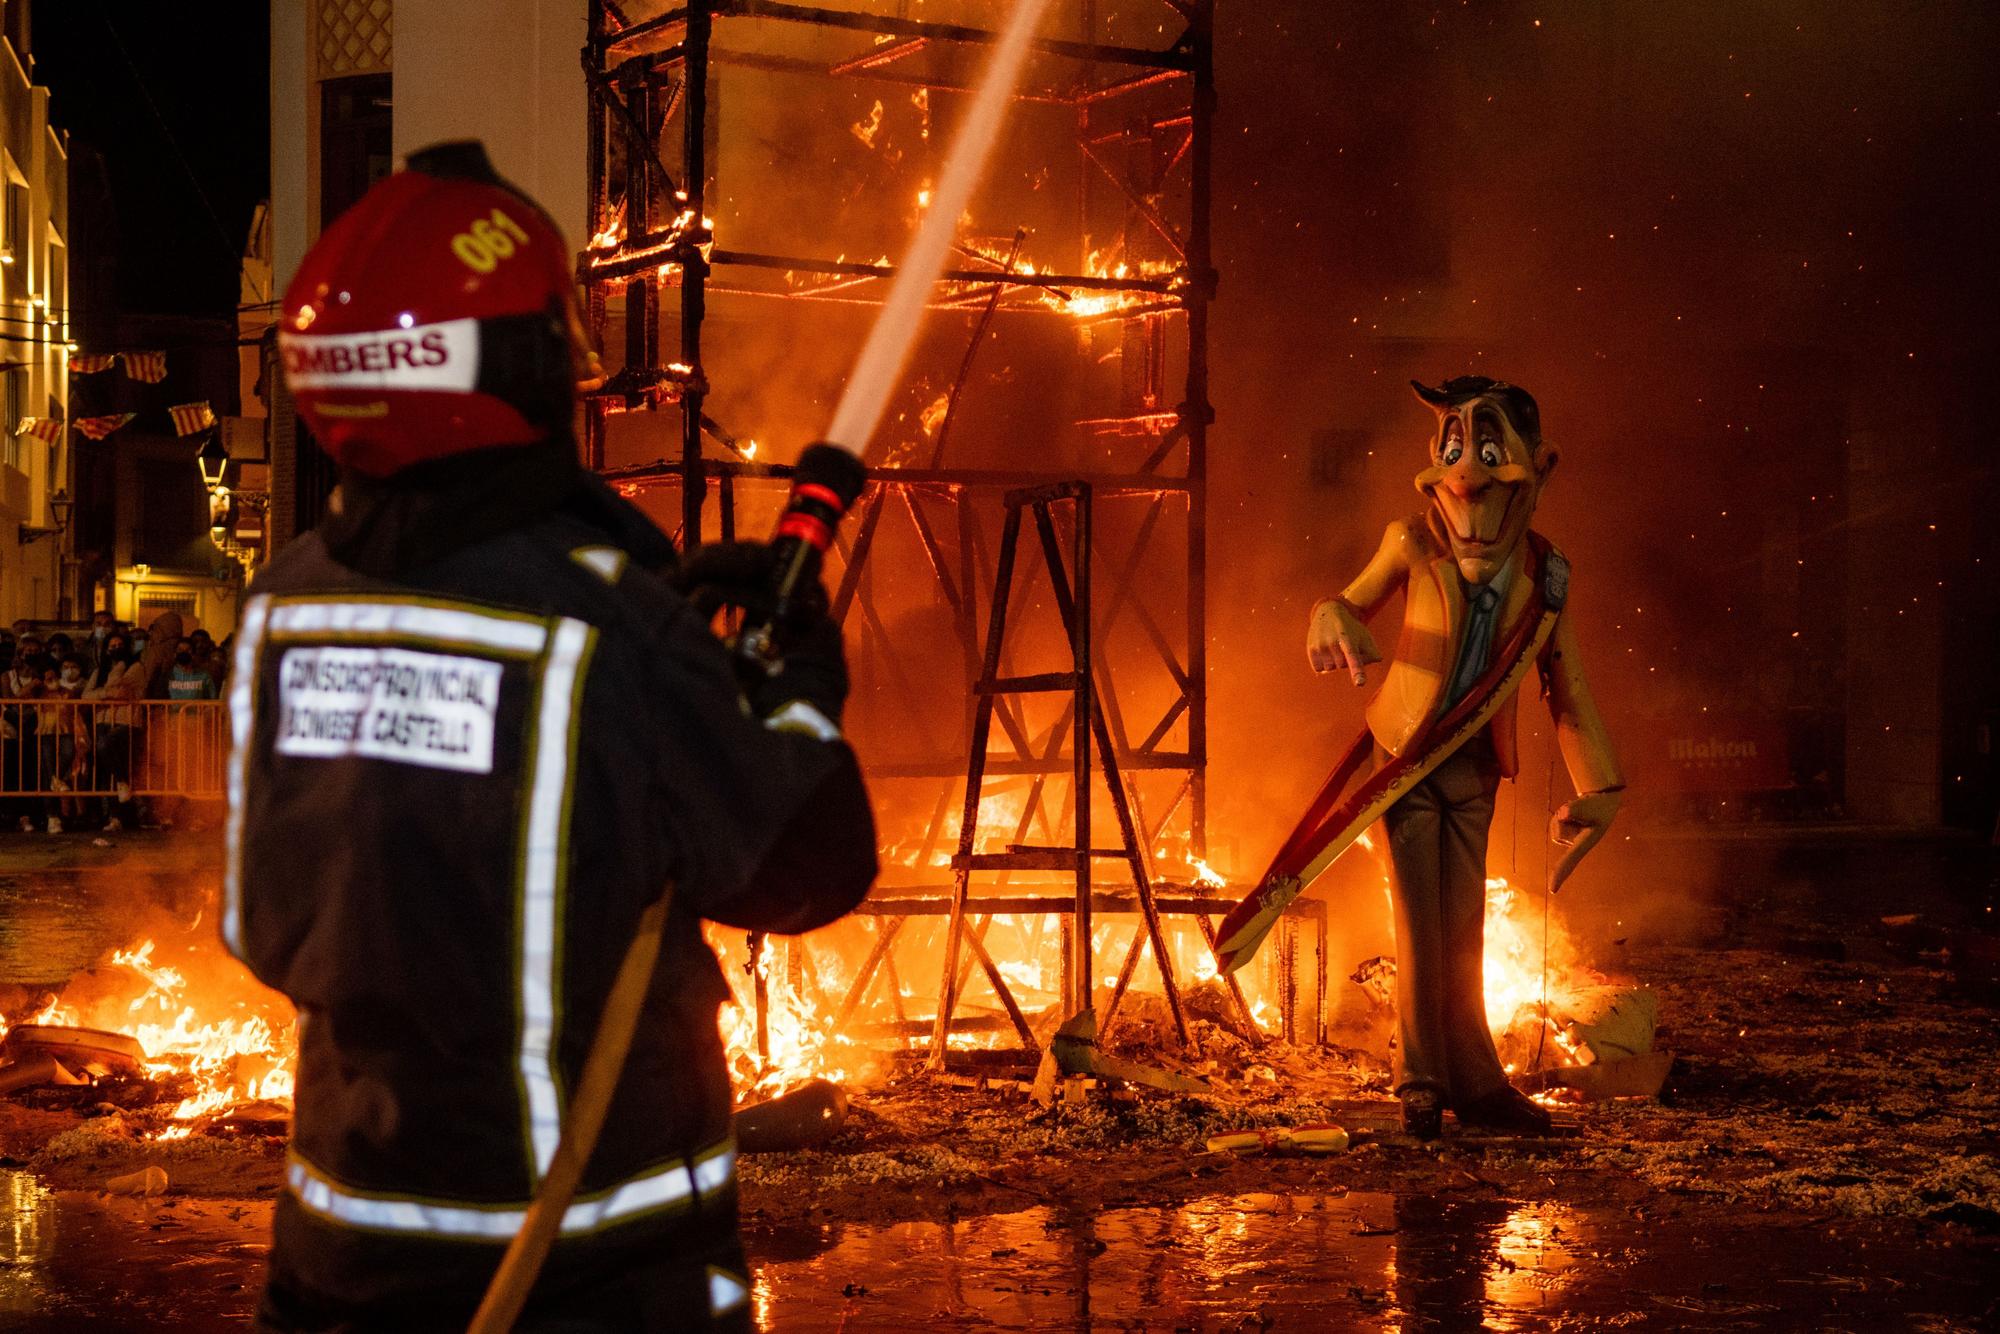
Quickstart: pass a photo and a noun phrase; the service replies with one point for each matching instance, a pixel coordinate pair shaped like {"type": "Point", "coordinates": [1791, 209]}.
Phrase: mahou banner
{"type": "Point", "coordinates": [1707, 752]}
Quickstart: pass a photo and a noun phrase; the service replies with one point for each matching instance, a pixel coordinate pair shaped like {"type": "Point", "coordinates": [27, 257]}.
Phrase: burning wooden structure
{"type": "Point", "coordinates": [1034, 720]}
{"type": "Point", "coordinates": [1099, 225]}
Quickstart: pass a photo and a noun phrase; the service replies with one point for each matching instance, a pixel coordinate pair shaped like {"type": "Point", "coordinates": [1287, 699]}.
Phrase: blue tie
{"type": "Point", "coordinates": [1478, 646]}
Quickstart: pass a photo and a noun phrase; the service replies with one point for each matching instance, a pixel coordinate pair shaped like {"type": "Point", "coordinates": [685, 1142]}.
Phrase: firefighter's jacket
{"type": "Point", "coordinates": [451, 797]}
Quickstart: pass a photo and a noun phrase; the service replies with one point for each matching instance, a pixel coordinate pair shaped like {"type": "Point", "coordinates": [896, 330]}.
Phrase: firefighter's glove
{"type": "Point", "coordinates": [810, 665]}
{"type": "Point", "coordinates": [810, 668]}
{"type": "Point", "coordinates": [734, 574]}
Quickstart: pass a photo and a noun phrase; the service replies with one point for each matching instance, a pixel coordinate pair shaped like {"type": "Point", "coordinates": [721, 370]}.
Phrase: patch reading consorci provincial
{"type": "Point", "coordinates": [391, 704]}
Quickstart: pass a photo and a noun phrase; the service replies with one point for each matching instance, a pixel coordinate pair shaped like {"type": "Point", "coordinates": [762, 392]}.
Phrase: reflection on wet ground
{"type": "Point", "coordinates": [1357, 1261]}
{"type": "Point", "coordinates": [1363, 1261]}
{"type": "Point", "coordinates": [73, 1261]}
{"type": "Point", "coordinates": [55, 925]}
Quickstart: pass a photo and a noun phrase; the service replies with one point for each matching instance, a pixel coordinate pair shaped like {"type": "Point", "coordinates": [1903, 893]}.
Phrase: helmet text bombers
{"type": "Point", "coordinates": [436, 316]}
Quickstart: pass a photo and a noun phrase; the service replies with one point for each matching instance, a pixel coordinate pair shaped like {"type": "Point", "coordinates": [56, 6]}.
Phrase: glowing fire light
{"type": "Point", "coordinates": [1517, 1007]}
{"type": "Point", "coordinates": [1205, 875]}
{"type": "Point", "coordinates": [234, 1059]}
{"type": "Point", "coordinates": [797, 1043]}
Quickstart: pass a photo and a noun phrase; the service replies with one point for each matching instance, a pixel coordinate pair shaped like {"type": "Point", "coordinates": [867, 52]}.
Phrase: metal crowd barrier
{"type": "Point", "coordinates": [112, 748]}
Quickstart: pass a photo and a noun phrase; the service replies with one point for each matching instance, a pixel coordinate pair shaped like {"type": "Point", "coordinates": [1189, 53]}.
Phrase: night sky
{"type": "Point", "coordinates": [175, 99]}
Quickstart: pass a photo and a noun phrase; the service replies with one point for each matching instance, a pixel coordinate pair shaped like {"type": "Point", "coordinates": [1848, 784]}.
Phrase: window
{"type": "Point", "coordinates": [17, 389]}
{"type": "Point", "coordinates": [154, 604]}
{"type": "Point", "coordinates": [354, 148]}
{"type": "Point", "coordinates": [15, 241]}
{"type": "Point", "coordinates": [55, 286]}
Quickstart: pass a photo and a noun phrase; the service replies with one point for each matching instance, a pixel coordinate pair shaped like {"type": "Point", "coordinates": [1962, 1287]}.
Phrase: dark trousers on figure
{"type": "Point", "coordinates": [1437, 879]}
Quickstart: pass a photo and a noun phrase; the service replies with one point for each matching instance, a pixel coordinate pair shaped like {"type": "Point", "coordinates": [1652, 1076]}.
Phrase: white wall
{"type": "Point", "coordinates": [511, 76]}
{"type": "Point", "coordinates": [291, 158]}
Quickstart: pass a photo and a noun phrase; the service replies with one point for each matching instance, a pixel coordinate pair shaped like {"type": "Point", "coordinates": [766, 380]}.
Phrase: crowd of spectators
{"type": "Point", "coordinates": [49, 746]}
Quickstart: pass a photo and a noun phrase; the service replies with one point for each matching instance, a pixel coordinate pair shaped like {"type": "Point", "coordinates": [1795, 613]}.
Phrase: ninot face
{"type": "Point", "coordinates": [1484, 477]}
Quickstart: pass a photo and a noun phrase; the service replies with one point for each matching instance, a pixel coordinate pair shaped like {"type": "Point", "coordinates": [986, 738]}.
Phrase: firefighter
{"type": "Point", "coordinates": [479, 726]}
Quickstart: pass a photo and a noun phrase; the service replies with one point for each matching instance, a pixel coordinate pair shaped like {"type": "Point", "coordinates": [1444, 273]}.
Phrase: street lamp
{"type": "Point", "coordinates": [213, 462]}
{"type": "Point", "coordinates": [60, 506]}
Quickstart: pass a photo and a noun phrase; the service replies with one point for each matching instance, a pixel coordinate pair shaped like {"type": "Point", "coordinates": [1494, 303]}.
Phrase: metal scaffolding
{"type": "Point", "coordinates": [1142, 127]}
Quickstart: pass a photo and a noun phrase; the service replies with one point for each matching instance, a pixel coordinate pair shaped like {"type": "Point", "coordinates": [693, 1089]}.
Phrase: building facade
{"type": "Point", "coordinates": [37, 575]}
{"type": "Point", "coordinates": [357, 84]}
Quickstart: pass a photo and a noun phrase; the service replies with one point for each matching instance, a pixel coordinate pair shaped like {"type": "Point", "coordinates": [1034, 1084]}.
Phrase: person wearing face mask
{"type": "Point", "coordinates": [23, 681]}
{"type": "Point", "coordinates": [116, 683]}
{"type": "Point", "coordinates": [186, 680]}
{"type": "Point", "coordinates": [206, 657]}
{"type": "Point", "coordinates": [180, 743]}
{"type": "Point", "coordinates": [58, 725]}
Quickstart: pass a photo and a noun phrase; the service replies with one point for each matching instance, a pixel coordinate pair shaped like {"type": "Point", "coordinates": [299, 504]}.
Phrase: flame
{"type": "Point", "coordinates": [798, 1044]}
{"type": "Point", "coordinates": [613, 232]}
{"type": "Point", "coordinates": [234, 1058]}
{"type": "Point", "coordinates": [1527, 987]}
{"type": "Point", "coordinates": [1205, 875]}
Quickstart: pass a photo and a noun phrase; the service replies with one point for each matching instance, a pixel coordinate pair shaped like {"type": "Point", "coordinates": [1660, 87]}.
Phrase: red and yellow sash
{"type": "Point", "coordinates": [1330, 825]}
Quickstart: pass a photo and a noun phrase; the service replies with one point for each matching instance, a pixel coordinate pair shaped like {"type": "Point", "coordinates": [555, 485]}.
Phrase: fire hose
{"type": "Point", "coordinates": [827, 480]}
{"type": "Point", "coordinates": [519, 1267]}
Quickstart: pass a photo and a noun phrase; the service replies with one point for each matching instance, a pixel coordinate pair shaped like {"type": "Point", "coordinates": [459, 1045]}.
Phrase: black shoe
{"type": "Point", "coordinates": [1423, 1113]}
{"type": "Point", "coordinates": [1505, 1109]}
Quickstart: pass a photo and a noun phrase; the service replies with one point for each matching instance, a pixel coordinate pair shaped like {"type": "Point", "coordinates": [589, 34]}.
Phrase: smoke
{"type": "Point", "coordinates": [1694, 234]}
{"type": "Point", "coordinates": [1734, 255]}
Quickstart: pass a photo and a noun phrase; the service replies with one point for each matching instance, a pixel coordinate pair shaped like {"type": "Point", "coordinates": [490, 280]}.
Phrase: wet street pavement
{"type": "Point", "coordinates": [72, 1261]}
{"type": "Point", "coordinates": [95, 1264]}
{"type": "Point", "coordinates": [1361, 1261]}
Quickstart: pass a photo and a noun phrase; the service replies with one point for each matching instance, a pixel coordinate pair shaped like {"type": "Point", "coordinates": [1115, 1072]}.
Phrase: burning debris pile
{"type": "Point", "coordinates": [193, 1047]}
{"type": "Point", "coordinates": [835, 1007]}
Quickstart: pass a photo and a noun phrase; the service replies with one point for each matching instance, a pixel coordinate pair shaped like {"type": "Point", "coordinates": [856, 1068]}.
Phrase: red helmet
{"type": "Point", "coordinates": [437, 315]}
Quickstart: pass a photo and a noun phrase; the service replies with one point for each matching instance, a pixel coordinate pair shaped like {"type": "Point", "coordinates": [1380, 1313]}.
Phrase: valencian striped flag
{"type": "Point", "coordinates": [90, 363]}
{"type": "Point", "coordinates": [42, 428]}
{"type": "Point", "coordinates": [99, 427]}
{"type": "Point", "coordinates": [150, 367]}
{"type": "Point", "coordinates": [191, 417]}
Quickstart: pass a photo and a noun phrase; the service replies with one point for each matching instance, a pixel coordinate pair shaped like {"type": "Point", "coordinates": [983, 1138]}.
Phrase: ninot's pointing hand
{"type": "Point", "coordinates": [1336, 640]}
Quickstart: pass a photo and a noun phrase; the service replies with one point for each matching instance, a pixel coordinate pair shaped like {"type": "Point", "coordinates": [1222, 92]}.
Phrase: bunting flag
{"type": "Point", "coordinates": [99, 427]}
{"type": "Point", "coordinates": [150, 367]}
{"type": "Point", "coordinates": [42, 428]}
{"type": "Point", "coordinates": [191, 417]}
{"type": "Point", "coordinates": [90, 363]}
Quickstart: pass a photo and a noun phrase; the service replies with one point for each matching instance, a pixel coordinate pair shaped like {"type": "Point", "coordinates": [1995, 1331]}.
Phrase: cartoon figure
{"type": "Point", "coordinates": [1483, 602]}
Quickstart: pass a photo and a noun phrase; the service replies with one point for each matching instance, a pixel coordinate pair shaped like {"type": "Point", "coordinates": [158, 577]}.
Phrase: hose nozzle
{"type": "Point", "coordinates": [825, 485]}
